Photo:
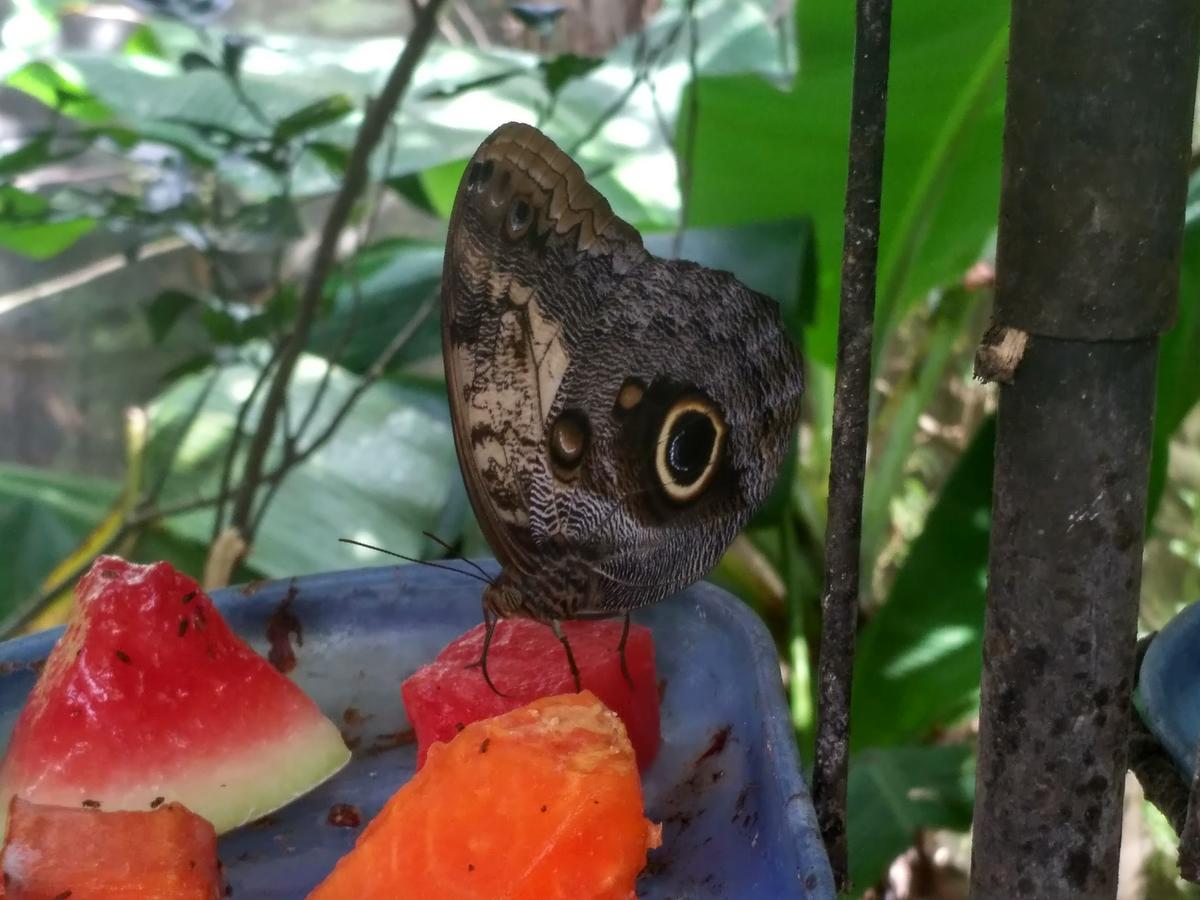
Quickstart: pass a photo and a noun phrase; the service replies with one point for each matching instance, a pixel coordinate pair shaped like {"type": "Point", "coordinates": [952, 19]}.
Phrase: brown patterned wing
{"type": "Point", "coordinates": [533, 252]}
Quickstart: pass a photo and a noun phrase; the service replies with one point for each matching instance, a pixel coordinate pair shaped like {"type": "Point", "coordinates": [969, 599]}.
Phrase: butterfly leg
{"type": "Point", "coordinates": [621, 652]}
{"type": "Point", "coordinates": [558, 633]}
{"type": "Point", "coordinates": [489, 622]}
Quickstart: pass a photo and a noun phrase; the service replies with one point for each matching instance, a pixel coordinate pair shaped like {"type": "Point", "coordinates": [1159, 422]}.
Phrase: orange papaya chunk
{"type": "Point", "coordinates": [49, 852]}
{"type": "Point", "coordinates": [540, 803]}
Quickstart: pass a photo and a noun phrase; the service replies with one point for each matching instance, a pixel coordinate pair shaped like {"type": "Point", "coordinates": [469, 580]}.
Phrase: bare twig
{"type": "Point", "coordinates": [684, 161]}
{"type": "Point", "coordinates": [235, 440]}
{"type": "Point", "coordinates": [647, 59]}
{"type": "Point", "coordinates": [292, 457]}
{"type": "Point", "coordinates": [372, 129]}
{"type": "Point", "coordinates": [351, 328]}
{"type": "Point", "coordinates": [851, 407]}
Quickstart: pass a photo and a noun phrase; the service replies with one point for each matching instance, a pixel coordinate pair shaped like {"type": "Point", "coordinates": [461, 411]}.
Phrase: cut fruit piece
{"type": "Point", "coordinates": [57, 851]}
{"type": "Point", "coordinates": [526, 661]}
{"type": "Point", "coordinates": [149, 696]}
{"type": "Point", "coordinates": [541, 803]}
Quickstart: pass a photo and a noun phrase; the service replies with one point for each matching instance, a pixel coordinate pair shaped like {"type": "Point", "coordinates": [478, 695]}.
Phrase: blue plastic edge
{"type": "Point", "coordinates": [1168, 695]}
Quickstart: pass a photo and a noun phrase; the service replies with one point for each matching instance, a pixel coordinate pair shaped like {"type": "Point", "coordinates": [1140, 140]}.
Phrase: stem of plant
{"type": "Point", "coordinates": [373, 127]}
{"type": "Point", "coordinates": [851, 407]}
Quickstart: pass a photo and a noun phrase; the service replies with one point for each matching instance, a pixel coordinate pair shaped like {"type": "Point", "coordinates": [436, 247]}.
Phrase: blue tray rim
{"type": "Point", "coordinates": [1153, 694]}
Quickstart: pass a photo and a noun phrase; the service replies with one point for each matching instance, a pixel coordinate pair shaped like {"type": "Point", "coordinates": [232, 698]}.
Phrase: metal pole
{"type": "Point", "coordinates": [851, 406]}
{"type": "Point", "coordinates": [1096, 147]}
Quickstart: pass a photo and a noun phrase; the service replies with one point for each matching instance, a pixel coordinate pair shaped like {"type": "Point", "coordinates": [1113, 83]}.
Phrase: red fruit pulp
{"type": "Point", "coordinates": [54, 851]}
{"type": "Point", "coordinates": [525, 662]}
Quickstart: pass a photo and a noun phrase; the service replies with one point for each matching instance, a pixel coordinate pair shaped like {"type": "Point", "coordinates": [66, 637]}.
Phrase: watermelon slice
{"type": "Point", "coordinates": [150, 697]}
{"type": "Point", "coordinates": [541, 803]}
{"type": "Point", "coordinates": [59, 851]}
{"type": "Point", "coordinates": [526, 661]}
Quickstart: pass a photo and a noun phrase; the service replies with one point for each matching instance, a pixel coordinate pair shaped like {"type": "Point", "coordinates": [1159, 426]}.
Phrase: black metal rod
{"type": "Point", "coordinates": [1098, 126]}
{"type": "Point", "coordinates": [851, 405]}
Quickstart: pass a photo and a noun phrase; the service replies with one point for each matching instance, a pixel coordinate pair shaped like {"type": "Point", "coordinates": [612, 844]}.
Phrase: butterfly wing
{"type": "Point", "coordinates": [532, 253]}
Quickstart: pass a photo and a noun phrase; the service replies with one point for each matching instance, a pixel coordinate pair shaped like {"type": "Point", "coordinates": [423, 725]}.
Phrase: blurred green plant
{"type": "Point", "coordinates": [703, 132]}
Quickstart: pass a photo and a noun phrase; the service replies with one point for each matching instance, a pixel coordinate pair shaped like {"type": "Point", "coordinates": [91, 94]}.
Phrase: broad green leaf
{"type": "Point", "coordinates": [53, 86]}
{"type": "Point", "coordinates": [164, 311]}
{"type": "Point", "coordinates": [763, 154]}
{"type": "Point", "coordinates": [286, 73]}
{"type": "Point", "coordinates": [388, 473]}
{"type": "Point", "coordinates": [144, 42]}
{"type": "Point", "coordinates": [374, 297]}
{"type": "Point", "coordinates": [566, 67]}
{"type": "Point", "coordinates": [194, 61]}
{"type": "Point", "coordinates": [43, 516]}
{"type": "Point", "coordinates": [318, 114]}
{"type": "Point", "coordinates": [41, 240]}
{"type": "Point", "coordinates": [33, 153]}
{"type": "Point", "coordinates": [918, 659]}
{"type": "Point", "coordinates": [894, 792]}
{"type": "Point", "coordinates": [1178, 387]}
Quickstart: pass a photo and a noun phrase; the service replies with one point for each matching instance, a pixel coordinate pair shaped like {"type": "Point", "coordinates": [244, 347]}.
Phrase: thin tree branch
{"type": "Point", "coordinates": [684, 161]}
{"type": "Point", "coordinates": [851, 408]}
{"type": "Point", "coordinates": [372, 129]}
{"type": "Point", "coordinates": [293, 458]}
{"type": "Point", "coordinates": [235, 439]}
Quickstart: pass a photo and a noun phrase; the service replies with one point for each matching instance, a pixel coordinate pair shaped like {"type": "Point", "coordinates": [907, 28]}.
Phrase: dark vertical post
{"type": "Point", "coordinates": [1098, 126]}
{"type": "Point", "coordinates": [851, 405]}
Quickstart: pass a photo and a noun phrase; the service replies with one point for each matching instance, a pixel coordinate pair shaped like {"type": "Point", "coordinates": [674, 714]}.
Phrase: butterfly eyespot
{"type": "Point", "coordinates": [688, 448]}
{"type": "Point", "coordinates": [520, 215]}
{"type": "Point", "coordinates": [568, 439]}
{"type": "Point", "coordinates": [629, 396]}
{"type": "Point", "coordinates": [480, 173]}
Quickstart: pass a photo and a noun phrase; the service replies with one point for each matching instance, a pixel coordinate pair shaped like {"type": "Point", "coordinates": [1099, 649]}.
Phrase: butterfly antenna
{"type": "Point", "coordinates": [421, 562]}
{"type": "Point", "coordinates": [470, 562]}
{"type": "Point", "coordinates": [558, 633]}
{"type": "Point", "coordinates": [621, 652]}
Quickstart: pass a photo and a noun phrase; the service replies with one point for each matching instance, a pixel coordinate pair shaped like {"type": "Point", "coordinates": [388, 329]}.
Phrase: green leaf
{"type": "Point", "coordinates": [1178, 388]}
{"type": "Point", "coordinates": [566, 67]}
{"type": "Point", "coordinates": [450, 91]}
{"type": "Point", "coordinates": [388, 473]}
{"type": "Point", "coordinates": [917, 665]}
{"type": "Point", "coordinates": [164, 311]}
{"type": "Point", "coordinates": [394, 278]}
{"type": "Point", "coordinates": [43, 517]}
{"type": "Point", "coordinates": [234, 324]}
{"type": "Point", "coordinates": [317, 114]}
{"type": "Point", "coordinates": [30, 155]}
{"type": "Point", "coordinates": [144, 42]}
{"type": "Point", "coordinates": [764, 154]}
{"type": "Point", "coordinates": [335, 157]}
{"type": "Point", "coordinates": [194, 61]}
{"type": "Point", "coordinates": [892, 793]}
{"type": "Point", "coordinates": [233, 50]}
{"type": "Point", "coordinates": [41, 240]}
{"type": "Point", "coordinates": [52, 87]}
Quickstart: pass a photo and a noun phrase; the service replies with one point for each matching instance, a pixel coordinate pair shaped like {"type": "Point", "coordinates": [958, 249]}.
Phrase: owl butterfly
{"type": "Point", "coordinates": [618, 417]}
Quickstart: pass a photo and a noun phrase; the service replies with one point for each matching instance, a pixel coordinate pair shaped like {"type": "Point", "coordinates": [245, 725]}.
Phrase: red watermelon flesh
{"type": "Point", "coordinates": [526, 661]}
{"type": "Point", "coordinates": [57, 852]}
{"type": "Point", "coordinates": [150, 697]}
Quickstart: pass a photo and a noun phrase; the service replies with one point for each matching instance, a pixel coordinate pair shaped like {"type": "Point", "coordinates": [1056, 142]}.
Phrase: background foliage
{"type": "Point", "coordinates": [718, 129]}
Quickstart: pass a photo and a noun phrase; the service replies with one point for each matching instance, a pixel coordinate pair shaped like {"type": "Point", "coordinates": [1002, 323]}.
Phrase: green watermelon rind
{"type": "Point", "coordinates": [230, 791]}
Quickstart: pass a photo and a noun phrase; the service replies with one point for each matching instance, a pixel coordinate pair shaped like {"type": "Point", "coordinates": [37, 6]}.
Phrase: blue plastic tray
{"type": "Point", "coordinates": [1169, 688]}
{"type": "Point", "coordinates": [737, 820]}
